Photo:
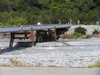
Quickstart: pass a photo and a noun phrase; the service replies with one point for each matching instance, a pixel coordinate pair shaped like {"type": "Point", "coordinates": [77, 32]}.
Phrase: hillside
{"type": "Point", "coordinates": [16, 12]}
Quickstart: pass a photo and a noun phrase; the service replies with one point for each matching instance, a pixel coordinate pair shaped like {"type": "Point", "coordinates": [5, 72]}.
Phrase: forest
{"type": "Point", "coordinates": [28, 12]}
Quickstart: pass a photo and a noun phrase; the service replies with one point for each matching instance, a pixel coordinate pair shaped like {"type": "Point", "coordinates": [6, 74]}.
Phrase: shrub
{"type": "Point", "coordinates": [88, 36]}
{"type": "Point", "coordinates": [64, 36]}
{"type": "Point", "coordinates": [81, 30]}
{"type": "Point", "coordinates": [95, 31]}
{"type": "Point", "coordinates": [78, 34]}
{"type": "Point", "coordinates": [69, 37]}
{"type": "Point", "coordinates": [73, 36]}
{"type": "Point", "coordinates": [83, 37]}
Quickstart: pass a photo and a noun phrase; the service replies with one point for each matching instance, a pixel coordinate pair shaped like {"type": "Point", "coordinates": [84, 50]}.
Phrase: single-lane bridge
{"type": "Point", "coordinates": [42, 32]}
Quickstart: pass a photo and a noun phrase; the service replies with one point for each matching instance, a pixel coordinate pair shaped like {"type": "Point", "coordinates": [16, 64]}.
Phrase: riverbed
{"type": "Point", "coordinates": [65, 53]}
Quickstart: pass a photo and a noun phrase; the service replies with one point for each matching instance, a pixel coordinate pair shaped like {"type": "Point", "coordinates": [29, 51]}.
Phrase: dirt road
{"type": "Point", "coordinates": [48, 71]}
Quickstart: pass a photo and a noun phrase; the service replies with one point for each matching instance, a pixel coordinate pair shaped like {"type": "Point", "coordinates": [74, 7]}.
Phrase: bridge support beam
{"type": "Point", "coordinates": [11, 39]}
{"type": "Point", "coordinates": [32, 36]}
{"type": "Point", "coordinates": [12, 36]}
{"type": "Point", "coordinates": [55, 33]}
{"type": "Point", "coordinates": [0, 52]}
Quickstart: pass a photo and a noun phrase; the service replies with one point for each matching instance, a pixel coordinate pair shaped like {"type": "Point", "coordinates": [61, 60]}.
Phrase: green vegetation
{"type": "Point", "coordinates": [5, 65]}
{"type": "Point", "coordinates": [88, 36]}
{"type": "Point", "coordinates": [78, 33]}
{"type": "Point", "coordinates": [74, 36]}
{"type": "Point", "coordinates": [80, 30]}
{"type": "Point", "coordinates": [39, 65]}
{"type": "Point", "coordinates": [16, 12]}
{"type": "Point", "coordinates": [96, 64]}
{"type": "Point", "coordinates": [95, 31]}
{"type": "Point", "coordinates": [15, 63]}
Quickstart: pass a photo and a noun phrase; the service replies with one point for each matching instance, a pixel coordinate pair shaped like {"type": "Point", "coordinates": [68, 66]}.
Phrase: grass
{"type": "Point", "coordinates": [85, 36]}
{"type": "Point", "coordinates": [38, 65]}
{"type": "Point", "coordinates": [5, 66]}
{"type": "Point", "coordinates": [96, 64]}
{"type": "Point", "coordinates": [15, 63]}
{"type": "Point", "coordinates": [52, 66]}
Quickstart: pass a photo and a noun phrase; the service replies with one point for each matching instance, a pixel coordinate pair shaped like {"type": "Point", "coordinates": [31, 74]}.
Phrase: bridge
{"type": "Point", "coordinates": [42, 32]}
{"type": "Point", "coordinates": [17, 28]}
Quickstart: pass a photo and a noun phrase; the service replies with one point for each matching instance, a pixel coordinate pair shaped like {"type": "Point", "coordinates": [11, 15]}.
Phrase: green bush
{"type": "Point", "coordinates": [95, 31]}
{"type": "Point", "coordinates": [69, 37]}
{"type": "Point", "coordinates": [73, 36]}
{"type": "Point", "coordinates": [83, 37]}
{"type": "Point", "coordinates": [80, 30]}
{"type": "Point", "coordinates": [78, 34]}
{"type": "Point", "coordinates": [64, 36]}
{"type": "Point", "coordinates": [88, 36]}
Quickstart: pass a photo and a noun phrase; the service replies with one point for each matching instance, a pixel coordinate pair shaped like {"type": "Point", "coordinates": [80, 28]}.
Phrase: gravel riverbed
{"type": "Point", "coordinates": [66, 53]}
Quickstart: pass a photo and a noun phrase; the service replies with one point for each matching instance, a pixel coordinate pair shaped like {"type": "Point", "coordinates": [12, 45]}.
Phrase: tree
{"type": "Point", "coordinates": [49, 11]}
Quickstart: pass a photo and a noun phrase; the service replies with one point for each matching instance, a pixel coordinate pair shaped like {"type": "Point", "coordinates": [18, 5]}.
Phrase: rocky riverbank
{"type": "Point", "coordinates": [70, 42]}
{"type": "Point", "coordinates": [53, 59]}
{"type": "Point", "coordinates": [65, 53]}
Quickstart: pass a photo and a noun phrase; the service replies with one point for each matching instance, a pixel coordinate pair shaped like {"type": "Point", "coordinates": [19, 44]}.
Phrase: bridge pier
{"type": "Point", "coordinates": [32, 36]}
{"type": "Point", "coordinates": [12, 36]}
{"type": "Point", "coordinates": [11, 39]}
{"type": "Point", "coordinates": [0, 52]}
{"type": "Point", "coordinates": [55, 33]}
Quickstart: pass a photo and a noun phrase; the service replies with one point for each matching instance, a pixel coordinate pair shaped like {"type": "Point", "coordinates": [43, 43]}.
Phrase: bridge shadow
{"type": "Point", "coordinates": [18, 46]}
